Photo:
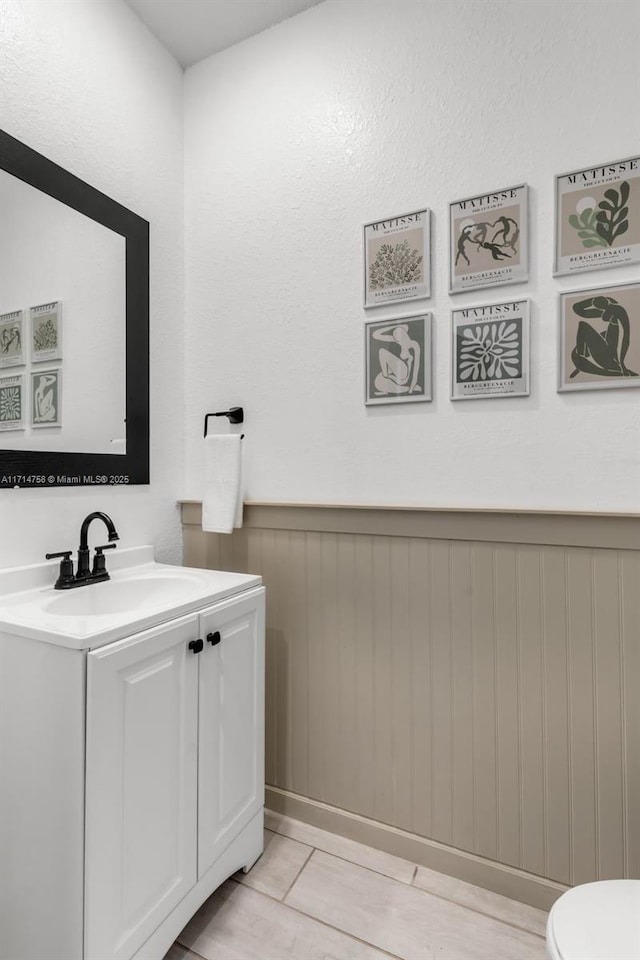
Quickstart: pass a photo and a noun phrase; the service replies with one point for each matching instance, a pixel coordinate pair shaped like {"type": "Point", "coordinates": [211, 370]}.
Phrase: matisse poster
{"type": "Point", "coordinates": [398, 360]}
{"type": "Point", "coordinates": [490, 351]}
{"type": "Point", "coordinates": [488, 240]}
{"type": "Point", "coordinates": [12, 339]}
{"type": "Point", "coordinates": [598, 217]}
{"type": "Point", "coordinates": [12, 403]}
{"type": "Point", "coordinates": [46, 399]}
{"type": "Point", "coordinates": [46, 332]}
{"type": "Point", "coordinates": [599, 345]}
{"type": "Point", "coordinates": [397, 259]}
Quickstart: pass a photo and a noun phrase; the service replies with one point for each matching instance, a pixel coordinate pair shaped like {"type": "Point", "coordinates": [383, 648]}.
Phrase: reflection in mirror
{"type": "Point", "coordinates": [52, 254]}
{"type": "Point", "coordinates": [74, 329]}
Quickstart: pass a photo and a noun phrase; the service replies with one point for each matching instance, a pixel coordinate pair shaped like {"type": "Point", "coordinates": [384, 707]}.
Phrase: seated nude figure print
{"type": "Point", "coordinates": [602, 351]}
{"type": "Point", "coordinates": [43, 399]}
{"type": "Point", "coordinates": [398, 371]}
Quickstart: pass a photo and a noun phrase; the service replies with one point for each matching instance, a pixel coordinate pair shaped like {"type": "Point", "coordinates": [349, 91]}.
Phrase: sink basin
{"type": "Point", "coordinates": [140, 594]}
{"type": "Point", "coordinates": [117, 596]}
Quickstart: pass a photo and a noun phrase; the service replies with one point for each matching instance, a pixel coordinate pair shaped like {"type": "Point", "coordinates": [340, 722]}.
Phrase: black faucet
{"type": "Point", "coordinates": [84, 576]}
{"type": "Point", "coordinates": [99, 571]}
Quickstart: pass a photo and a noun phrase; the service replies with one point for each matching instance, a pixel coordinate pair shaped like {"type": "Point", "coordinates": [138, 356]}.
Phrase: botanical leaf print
{"type": "Point", "coordinates": [599, 226]}
{"type": "Point", "coordinates": [394, 265]}
{"type": "Point", "coordinates": [45, 336]}
{"type": "Point", "coordinates": [489, 351]}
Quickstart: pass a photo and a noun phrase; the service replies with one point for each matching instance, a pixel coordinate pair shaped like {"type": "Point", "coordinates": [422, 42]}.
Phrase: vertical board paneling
{"type": "Point", "coordinates": [240, 542]}
{"type": "Point", "coordinates": [315, 667]}
{"type": "Point", "coordinates": [330, 665]}
{"type": "Point", "coordinates": [364, 680]}
{"type": "Point", "coordinates": [346, 754]}
{"type": "Point", "coordinates": [382, 717]}
{"type": "Point", "coordinates": [480, 694]}
{"type": "Point", "coordinates": [442, 700]}
{"type": "Point", "coordinates": [194, 547]}
{"type": "Point", "coordinates": [226, 551]}
{"type": "Point", "coordinates": [461, 667]}
{"type": "Point", "coordinates": [581, 722]}
{"type": "Point", "coordinates": [254, 551]}
{"type": "Point", "coordinates": [420, 692]}
{"type": "Point", "coordinates": [267, 571]}
{"type": "Point", "coordinates": [281, 643]}
{"type": "Point", "coordinates": [507, 705]}
{"type": "Point", "coordinates": [484, 703]}
{"type": "Point", "coordinates": [531, 711]}
{"type": "Point", "coordinates": [401, 668]}
{"type": "Point", "coordinates": [556, 719]}
{"type": "Point", "coordinates": [608, 709]}
{"type": "Point", "coordinates": [213, 551]}
{"type": "Point", "coordinates": [299, 662]}
{"type": "Point", "coordinates": [630, 682]}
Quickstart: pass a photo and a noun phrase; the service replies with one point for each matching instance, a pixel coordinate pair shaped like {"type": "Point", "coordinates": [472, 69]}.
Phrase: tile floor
{"type": "Point", "coordinates": [317, 896]}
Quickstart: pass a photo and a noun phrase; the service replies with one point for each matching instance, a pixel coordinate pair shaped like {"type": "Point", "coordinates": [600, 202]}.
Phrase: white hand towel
{"type": "Point", "coordinates": [222, 501]}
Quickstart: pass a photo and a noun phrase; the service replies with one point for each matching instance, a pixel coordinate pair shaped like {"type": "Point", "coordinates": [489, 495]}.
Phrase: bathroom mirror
{"type": "Point", "coordinates": [74, 329]}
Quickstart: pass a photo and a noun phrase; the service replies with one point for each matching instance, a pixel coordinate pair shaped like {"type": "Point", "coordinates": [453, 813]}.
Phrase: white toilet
{"type": "Point", "coordinates": [596, 921]}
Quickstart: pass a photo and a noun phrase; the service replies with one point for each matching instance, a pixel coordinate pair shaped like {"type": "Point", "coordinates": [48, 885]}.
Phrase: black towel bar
{"type": "Point", "coordinates": [234, 414]}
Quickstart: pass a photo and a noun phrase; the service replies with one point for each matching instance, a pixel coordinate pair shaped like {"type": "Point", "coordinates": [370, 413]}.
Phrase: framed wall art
{"type": "Point", "coordinates": [599, 342]}
{"type": "Point", "coordinates": [46, 398]}
{"type": "Point", "coordinates": [397, 259]}
{"type": "Point", "coordinates": [12, 339]}
{"type": "Point", "coordinates": [12, 402]}
{"type": "Point", "coordinates": [597, 217]}
{"type": "Point", "coordinates": [490, 351]}
{"type": "Point", "coordinates": [46, 332]}
{"type": "Point", "coordinates": [398, 360]}
{"type": "Point", "coordinates": [488, 240]}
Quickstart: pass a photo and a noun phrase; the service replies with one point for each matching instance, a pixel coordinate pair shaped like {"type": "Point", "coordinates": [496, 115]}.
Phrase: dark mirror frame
{"type": "Point", "coordinates": [30, 468]}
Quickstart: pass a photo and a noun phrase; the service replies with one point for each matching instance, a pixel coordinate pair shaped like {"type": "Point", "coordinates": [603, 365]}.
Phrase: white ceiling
{"type": "Point", "coordinates": [194, 29]}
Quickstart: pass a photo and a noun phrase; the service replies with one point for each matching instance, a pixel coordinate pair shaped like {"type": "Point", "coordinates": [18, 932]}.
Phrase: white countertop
{"type": "Point", "coordinates": [140, 594]}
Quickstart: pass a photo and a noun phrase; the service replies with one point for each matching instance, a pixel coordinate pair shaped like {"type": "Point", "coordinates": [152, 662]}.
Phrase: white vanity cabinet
{"type": "Point", "coordinates": [141, 785]}
{"type": "Point", "coordinates": [175, 765]}
{"type": "Point", "coordinates": [132, 779]}
{"type": "Point", "coordinates": [230, 717]}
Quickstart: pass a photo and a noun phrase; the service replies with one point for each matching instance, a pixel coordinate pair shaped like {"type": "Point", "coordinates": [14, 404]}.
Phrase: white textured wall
{"type": "Point", "coordinates": [55, 253]}
{"type": "Point", "coordinates": [84, 83]}
{"type": "Point", "coordinates": [354, 111]}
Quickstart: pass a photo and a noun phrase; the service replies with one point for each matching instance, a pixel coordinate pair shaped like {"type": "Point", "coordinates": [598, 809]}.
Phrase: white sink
{"type": "Point", "coordinates": [139, 595]}
{"type": "Point", "coordinates": [130, 594]}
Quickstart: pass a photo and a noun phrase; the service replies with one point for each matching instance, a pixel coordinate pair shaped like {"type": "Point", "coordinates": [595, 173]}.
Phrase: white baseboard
{"type": "Point", "coordinates": [499, 877]}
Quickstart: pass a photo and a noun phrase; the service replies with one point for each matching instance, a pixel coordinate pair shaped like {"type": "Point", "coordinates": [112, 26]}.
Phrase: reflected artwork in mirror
{"type": "Point", "coordinates": [74, 312]}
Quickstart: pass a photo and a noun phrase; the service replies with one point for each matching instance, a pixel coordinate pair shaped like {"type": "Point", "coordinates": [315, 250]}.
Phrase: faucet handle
{"type": "Point", "coordinates": [65, 577]}
{"type": "Point", "coordinates": [99, 565]}
{"type": "Point", "coordinates": [54, 556]}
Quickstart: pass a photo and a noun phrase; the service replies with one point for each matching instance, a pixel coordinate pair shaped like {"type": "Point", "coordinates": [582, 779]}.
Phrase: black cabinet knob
{"type": "Point", "coordinates": [214, 638]}
{"type": "Point", "coordinates": [196, 645]}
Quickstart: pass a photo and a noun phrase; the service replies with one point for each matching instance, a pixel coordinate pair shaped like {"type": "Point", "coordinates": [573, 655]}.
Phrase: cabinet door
{"type": "Point", "coordinates": [141, 785]}
{"type": "Point", "coordinates": [231, 705]}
